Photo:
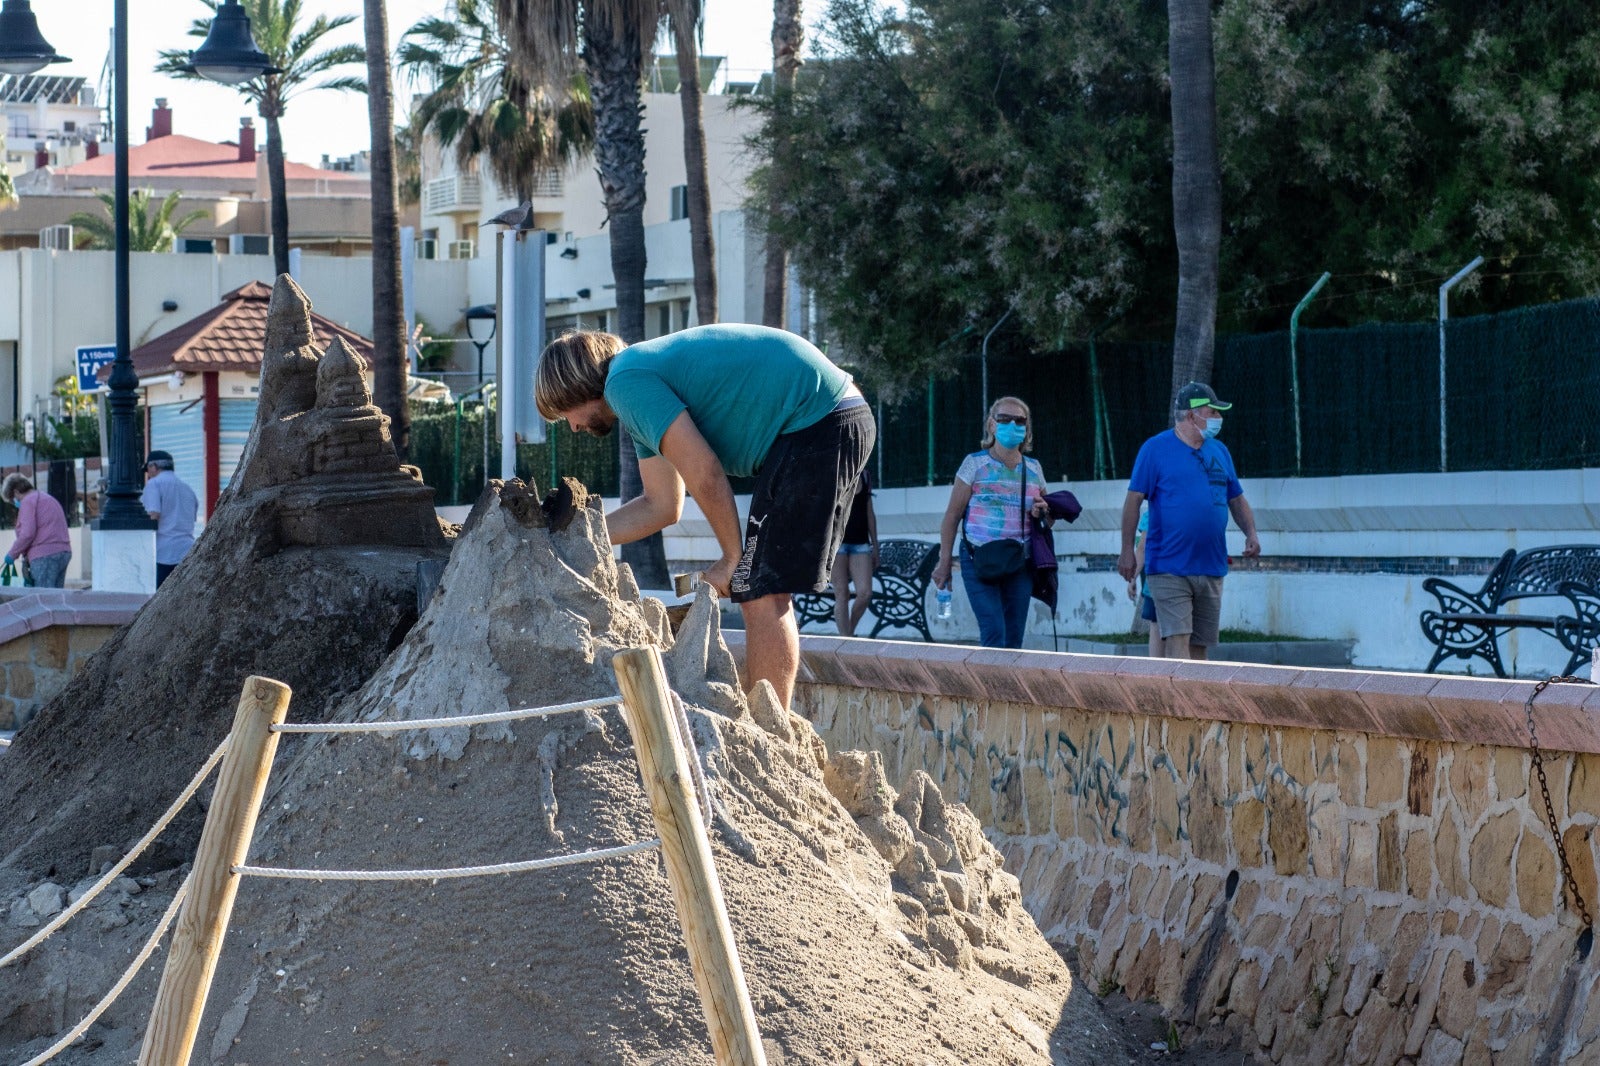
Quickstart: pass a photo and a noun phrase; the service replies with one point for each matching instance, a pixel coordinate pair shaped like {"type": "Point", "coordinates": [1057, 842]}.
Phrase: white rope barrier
{"type": "Point", "coordinates": [127, 860]}
{"type": "Point", "coordinates": [449, 872]}
{"type": "Point", "coordinates": [122, 982]}
{"type": "Point", "coordinates": [394, 726]}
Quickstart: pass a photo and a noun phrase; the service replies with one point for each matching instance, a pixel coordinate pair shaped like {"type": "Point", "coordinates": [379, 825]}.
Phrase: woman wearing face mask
{"type": "Point", "coordinates": [992, 490]}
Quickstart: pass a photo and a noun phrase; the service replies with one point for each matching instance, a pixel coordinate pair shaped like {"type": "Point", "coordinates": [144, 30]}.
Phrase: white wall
{"type": "Point", "coordinates": [53, 302]}
{"type": "Point", "coordinates": [1444, 516]}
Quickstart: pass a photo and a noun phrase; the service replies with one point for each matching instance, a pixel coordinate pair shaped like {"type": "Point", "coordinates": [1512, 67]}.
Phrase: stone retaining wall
{"type": "Point", "coordinates": [44, 638]}
{"type": "Point", "coordinates": [1340, 867]}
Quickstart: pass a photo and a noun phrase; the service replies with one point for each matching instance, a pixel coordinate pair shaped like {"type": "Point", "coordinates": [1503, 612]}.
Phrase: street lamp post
{"type": "Point", "coordinates": [24, 50]}
{"type": "Point", "coordinates": [475, 317]}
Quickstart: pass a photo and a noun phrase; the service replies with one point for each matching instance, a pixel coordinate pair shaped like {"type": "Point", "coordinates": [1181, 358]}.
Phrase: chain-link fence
{"type": "Point", "coordinates": [1522, 389]}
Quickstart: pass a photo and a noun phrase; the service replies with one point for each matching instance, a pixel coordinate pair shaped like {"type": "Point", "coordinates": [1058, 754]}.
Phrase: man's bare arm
{"type": "Point", "coordinates": [660, 505]}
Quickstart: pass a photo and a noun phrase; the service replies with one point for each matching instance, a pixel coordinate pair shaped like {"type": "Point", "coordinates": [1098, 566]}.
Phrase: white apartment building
{"type": "Point", "coordinates": [568, 205]}
{"type": "Point", "coordinates": [50, 121]}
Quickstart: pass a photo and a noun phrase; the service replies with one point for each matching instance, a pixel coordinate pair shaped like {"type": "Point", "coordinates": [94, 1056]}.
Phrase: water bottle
{"type": "Point", "coordinates": [942, 596]}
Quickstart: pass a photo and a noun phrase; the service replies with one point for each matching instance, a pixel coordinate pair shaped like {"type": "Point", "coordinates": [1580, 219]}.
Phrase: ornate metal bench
{"type": "Point", "coordinates": [1467, 625]}
{"type": "Point", "coordinates": [899, 590]}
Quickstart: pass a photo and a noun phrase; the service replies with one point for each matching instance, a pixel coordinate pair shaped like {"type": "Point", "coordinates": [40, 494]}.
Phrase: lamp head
{"type": "Point", "coordinates": [23, 48]}
{"type": "Point", "coordinates": [229, 54]}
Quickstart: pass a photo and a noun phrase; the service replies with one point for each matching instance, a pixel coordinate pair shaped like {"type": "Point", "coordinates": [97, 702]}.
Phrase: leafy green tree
{"type": "Point", "coordinates": [8, 191]}
{"type": "Point", "coordinates": [148, 230]}
{"type": "Point", "coordinates": [941, 166]}
{"type": "Point", "coordinates": [307, 62]}
{"type": "Point", "coordinates": [485, 103]}
{"type": "Point", "coordinates": [937, 168]}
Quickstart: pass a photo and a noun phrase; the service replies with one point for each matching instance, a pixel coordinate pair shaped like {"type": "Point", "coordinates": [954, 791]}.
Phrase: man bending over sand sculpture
{"type": "Point", "coordinates": [717, 401]}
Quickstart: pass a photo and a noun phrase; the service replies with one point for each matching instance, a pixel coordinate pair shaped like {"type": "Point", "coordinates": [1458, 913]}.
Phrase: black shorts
{"type": "Point", "coordinates": [801, 504]}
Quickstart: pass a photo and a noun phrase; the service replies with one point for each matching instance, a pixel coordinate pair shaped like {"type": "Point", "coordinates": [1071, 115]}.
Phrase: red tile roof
{"type": "Point", "coordinates": [178, 156]}
{"type": "Point", "coordinates": [229, 337]}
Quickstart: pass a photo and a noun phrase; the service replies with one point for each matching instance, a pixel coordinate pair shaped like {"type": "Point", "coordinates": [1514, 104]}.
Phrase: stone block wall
{"type": "Point", "coordinates": [37, 665]}
{"type": "Point", "coordinates": [1340, 867]}
{"type": "Point", "coordinates": [45, 637]}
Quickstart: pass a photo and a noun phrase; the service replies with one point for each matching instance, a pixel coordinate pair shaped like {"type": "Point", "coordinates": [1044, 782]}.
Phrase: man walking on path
{"type": "Point", "coordinates": [173, 506]}
{"type": "Point", "coordinates": [1189, 479]}
{"type": "Point", "coordinates": [727, 400]}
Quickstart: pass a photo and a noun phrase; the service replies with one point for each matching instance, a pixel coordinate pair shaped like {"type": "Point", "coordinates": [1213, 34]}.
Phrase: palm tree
{"type": "Point", "coordinates": [388, 307]}
{"type": "Point", "coordinates": [609, 39]}
{"type": "Point", "coordinates": [788, 33]}
{"type": "Point", "coordinates": [147, 232]}
{"type": "Point", "coordinates": [295, 51]}
{"type": "Point", "coordinates": [685, 16]}
{"type": "Point", "coordinates": [483, 101]}
{"type": "Point", "coordinates": [1196, 188]}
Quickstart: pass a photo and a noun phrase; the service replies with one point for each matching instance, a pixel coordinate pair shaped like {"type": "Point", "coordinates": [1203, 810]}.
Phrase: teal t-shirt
{"type": "Point", "coordinates": [742, 385]}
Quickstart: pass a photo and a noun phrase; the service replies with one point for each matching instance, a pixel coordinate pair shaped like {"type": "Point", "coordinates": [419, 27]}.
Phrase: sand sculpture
{"type": "Point", "coordinates": [873, 927]}
{"type": "Point", "coordinates": [276, 585]}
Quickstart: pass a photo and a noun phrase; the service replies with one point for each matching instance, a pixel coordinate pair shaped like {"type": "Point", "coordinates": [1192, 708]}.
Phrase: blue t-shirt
{"type": "Point", "coordinates": [1188, 489]}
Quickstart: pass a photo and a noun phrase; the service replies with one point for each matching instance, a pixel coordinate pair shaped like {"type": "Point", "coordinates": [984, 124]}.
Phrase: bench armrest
{"type": "Point", "coordinates": [1453, 599]}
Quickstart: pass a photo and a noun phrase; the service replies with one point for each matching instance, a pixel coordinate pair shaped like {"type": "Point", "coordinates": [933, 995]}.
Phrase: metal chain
{"type": "Point", "coordinates": [1544, 790]}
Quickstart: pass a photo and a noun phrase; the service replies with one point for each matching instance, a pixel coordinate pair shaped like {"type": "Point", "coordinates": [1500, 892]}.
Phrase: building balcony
{"type": "Point", "coordinates": [458, 194]}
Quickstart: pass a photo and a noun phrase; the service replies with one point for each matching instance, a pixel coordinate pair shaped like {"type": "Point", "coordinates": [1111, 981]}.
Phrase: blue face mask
{"type": "Point", "coordinates": [1213, 427]}
{"type": "Point", "coordinates": [1010, 436]}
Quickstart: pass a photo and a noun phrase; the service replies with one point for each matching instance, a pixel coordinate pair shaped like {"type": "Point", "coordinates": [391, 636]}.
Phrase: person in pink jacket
{"type": "Point", "coordinates": [41, 532]}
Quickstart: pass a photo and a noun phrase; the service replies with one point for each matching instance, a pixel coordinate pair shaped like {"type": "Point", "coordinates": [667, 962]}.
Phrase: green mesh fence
{"type": "Point", "coordinates": [1522, 390]}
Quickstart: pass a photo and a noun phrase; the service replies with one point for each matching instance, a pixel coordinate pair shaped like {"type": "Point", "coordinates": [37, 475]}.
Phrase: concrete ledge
{"type": "Point", "coordinates": [31, 610]}
{"type": "Point", "coordinates": [1413, 706]}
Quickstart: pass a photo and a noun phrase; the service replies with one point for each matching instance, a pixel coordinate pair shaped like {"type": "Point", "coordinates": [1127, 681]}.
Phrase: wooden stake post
{"type": "Point", "coordinates": [664, 767]}
{"type": "Point", "coordinates": [224, 844]}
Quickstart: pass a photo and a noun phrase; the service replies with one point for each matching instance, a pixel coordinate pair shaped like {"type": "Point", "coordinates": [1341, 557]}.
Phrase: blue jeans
{"type": "Point", "coordinates": [1001, 608]}
{"type": "Point", "coordinates": [50, 571]}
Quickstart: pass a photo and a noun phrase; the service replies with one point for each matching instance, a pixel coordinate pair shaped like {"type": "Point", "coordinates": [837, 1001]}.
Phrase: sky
{"type": "Point", "coordinates": [318, 123]}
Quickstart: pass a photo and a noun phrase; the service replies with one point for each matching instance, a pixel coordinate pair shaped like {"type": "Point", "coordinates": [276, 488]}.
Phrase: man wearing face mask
{"type": "Point", "coordinates": [1188, 478]}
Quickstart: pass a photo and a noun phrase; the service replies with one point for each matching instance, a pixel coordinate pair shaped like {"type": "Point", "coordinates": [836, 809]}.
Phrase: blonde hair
{"type": "Point", "coordinates": [988, 424]}
{"type": "Point", "coordinates": [572, 371]}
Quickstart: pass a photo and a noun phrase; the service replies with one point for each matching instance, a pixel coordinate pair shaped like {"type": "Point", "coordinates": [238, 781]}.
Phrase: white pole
{"type": "Point", "coordinates": [1444, 315]}
{"type": "Point", "coordinates": [505, 382]}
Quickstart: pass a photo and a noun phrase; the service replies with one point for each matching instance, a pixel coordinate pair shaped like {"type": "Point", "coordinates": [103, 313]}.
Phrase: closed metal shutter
{"type": "Point", "coordinates": [237, 418]}
{"type": "Point", "coordinates": [180, 428]}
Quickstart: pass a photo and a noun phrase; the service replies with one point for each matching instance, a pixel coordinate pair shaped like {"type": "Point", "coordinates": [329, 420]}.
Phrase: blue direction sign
{"type": "Point", "coordinates": [90, 359]}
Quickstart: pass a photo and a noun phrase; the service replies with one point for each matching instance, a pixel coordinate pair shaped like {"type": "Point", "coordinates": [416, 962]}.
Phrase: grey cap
{"type": "Point", "coordinates": [1198, 394]}
{"type": "Point", "coordinates": [160, 458]}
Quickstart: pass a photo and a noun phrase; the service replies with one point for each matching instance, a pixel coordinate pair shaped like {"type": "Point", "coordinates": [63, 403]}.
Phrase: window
{"type": "Point", "coordinates": [664, 319]}
{"type": "Point", "coordinates": [680, 202]}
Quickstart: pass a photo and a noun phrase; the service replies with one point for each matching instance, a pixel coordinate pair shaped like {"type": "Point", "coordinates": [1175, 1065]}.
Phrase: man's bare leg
{"type": "Point", "coordinates": [1197, 651]}
{"type": "Point", "coordinates": [1177, 646]}
{"type": "Point", "coordinates": [771, 644]}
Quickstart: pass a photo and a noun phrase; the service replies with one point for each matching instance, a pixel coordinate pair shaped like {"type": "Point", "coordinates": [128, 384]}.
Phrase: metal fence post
{"type": "Point", "coordinates": [1444, 315]}
{"type": "Point", "coordinates": [1294, 361]}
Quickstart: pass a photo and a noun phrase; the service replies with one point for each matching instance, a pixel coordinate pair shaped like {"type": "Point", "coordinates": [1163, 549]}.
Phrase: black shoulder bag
{"type": "Point", "coordinates": [999, 559]}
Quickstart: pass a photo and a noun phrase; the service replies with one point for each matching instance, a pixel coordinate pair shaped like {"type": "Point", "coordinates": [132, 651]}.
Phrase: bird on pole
{"type": "Point", "coordinates": [519, 219]}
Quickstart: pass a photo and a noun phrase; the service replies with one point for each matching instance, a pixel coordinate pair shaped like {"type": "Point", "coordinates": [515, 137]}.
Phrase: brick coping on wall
{"type": "Point", "coordinates": [1441, 707]}
{"type": "Point", "coordinates": [33, 610]}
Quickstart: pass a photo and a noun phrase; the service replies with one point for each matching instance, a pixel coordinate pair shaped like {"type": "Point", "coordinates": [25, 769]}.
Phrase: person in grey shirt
{"type": "Point", "coordinates": [173, 506]}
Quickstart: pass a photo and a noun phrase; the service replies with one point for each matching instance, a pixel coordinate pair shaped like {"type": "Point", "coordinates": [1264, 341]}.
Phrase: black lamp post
{"type": "Point", "coordinates": [475, 317]}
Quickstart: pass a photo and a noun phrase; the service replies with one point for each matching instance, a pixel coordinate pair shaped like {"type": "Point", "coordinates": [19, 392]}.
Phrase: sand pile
{"type": "Point", "coordinates": [873, 927]}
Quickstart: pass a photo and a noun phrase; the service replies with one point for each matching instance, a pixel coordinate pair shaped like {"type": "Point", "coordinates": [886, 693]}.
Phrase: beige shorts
{"type": "Point", "coordinates": [1189, 604]}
